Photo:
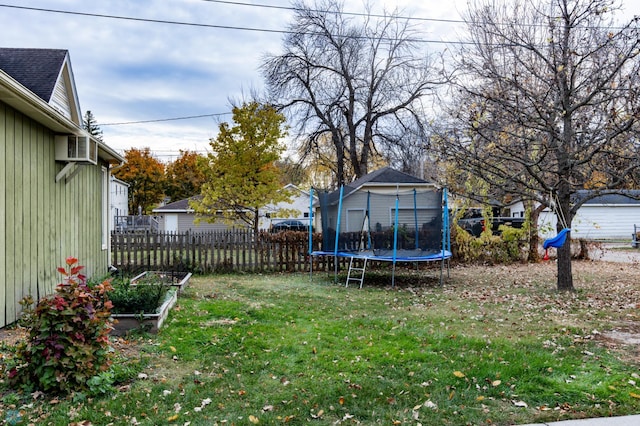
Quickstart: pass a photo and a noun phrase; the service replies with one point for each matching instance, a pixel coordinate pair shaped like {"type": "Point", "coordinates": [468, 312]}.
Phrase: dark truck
{"type": "Point", "coordinates": [473, 222]}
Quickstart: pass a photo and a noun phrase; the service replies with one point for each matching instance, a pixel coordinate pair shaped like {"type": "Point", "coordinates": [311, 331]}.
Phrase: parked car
{"type": "Point", "coordinates": [473, 222]}
{"type": "Point", "coordinates": [290, 225]}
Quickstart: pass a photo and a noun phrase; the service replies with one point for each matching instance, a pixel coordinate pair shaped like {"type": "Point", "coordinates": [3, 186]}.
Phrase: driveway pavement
{"type": "Point", "coordinates": [616, 252]}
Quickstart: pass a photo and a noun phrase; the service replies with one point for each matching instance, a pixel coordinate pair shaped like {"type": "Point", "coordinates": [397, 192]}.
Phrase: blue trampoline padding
{"type": "Point", "coordinates": [441, 255]}
{"type": "Point", "coordinates": [557, 241]}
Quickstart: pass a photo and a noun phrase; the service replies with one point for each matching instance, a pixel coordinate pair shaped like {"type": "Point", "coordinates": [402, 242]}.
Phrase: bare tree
{"type": "Point", "coordinates": [547, 102]}
{"type": "Point", "coordinates": [351, 78]}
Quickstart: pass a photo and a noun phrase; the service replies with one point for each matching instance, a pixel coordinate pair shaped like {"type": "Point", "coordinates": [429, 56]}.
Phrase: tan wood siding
{"type": "Point", "coordinates": [10, 219]}
{"type": "Point", "coordinates": [3, 207]}
{"type": "Point", "coordinates": [42, 222]}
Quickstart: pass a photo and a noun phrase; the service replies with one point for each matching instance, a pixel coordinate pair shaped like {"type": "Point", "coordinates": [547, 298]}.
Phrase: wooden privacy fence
{"type": "Point", "coordinates": [216, 251]}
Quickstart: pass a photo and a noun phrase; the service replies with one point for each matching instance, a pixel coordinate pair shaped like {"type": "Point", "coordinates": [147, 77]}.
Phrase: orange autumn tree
{"type": "Point", "coordinates": [145, 176]}
{"type": "Point", "coordinates": [183, 177]}
{"type": "Point", "coordinates": [241, 173]}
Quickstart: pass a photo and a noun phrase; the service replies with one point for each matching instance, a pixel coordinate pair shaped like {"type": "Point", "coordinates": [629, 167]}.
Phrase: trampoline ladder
{"type": "Point", "coordinates": [355, 269]}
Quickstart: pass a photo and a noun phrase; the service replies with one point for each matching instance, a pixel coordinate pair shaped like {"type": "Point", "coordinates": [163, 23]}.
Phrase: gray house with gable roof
{"type": "Point", "coordinates": [354, 200]}
{"type": "Point", "coordinates": [54, 178]}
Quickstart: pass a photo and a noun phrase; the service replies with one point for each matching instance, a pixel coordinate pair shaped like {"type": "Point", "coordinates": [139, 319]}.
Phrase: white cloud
{"type": "Point", "coordinates": [129, 70]}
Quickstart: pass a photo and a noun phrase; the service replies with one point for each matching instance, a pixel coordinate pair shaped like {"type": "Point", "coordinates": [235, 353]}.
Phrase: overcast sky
{"type": "Point", "coordinates": [134, 70]}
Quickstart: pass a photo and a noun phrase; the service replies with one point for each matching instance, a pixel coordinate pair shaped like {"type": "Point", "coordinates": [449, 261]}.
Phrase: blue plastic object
{"type": "Point", "coordinates": [557, 241]}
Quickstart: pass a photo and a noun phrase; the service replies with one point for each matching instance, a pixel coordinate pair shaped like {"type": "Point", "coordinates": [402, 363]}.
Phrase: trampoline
{"type": "Point", "coordinates": [384, 226]}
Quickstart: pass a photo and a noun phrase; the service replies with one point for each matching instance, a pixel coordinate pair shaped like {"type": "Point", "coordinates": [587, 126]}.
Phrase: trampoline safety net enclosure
{"type": "Point", "coordinates": [399, 226]}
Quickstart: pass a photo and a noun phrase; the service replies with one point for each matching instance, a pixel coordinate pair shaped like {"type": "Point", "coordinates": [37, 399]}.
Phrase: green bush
{"type": "Point", "coordinates": [68, 341]}
{"type": "Point", "coordinates": [508, 247]}
{"type": "Point", "coordinates": [141, 298]}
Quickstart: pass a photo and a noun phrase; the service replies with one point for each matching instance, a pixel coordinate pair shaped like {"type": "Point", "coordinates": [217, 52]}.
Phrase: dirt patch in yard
{"type": "Point", "coordinates": [11, 336]}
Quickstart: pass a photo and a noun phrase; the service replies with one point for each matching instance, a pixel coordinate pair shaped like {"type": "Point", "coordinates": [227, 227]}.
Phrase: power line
{"type": "Point", "coordinates": [295, 9]}
{"type": "Point", "coordinates": [373, 15]}
{"type": "Point", "coordinates": [158, 120]}
{"type": "Point", "coordinates": [157, 21]}
{"type": "Point", "coordinates": [194, 24]}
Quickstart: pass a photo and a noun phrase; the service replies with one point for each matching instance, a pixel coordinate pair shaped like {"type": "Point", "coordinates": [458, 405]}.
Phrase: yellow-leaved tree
{"type": "Point", "coordinates": [240, 172]}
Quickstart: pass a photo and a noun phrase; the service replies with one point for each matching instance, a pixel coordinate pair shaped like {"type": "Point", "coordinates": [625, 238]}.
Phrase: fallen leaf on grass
{"type": "Point", "coordinates": [253, 419]}
{"type": "Point", "coordinates": [458, 374]}
{"type": "Point", "coordinates": [520, 404]}
{"type": "Point", "coordinates": [634, 395]}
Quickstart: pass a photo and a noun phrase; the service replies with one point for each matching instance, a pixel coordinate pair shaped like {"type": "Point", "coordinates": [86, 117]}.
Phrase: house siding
{"type": "Point", "coordinates": [42, 222]}
{"type": "Point", "coordinates": [186, 223]}
{"type": "Point", "coordinates": [383, 210]}
{"type": "Point", "coordinates": [60, 99]}
{"type": "Point", "coordinates": [596, 222]}
{"type": "Point", "coordinates": [593, 221]}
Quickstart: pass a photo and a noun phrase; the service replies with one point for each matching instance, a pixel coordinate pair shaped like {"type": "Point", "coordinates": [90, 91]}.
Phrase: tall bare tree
{"type": "Point", "coordinates": [547, 102]}
{"type": "Point", "coordinates": [360, 80]}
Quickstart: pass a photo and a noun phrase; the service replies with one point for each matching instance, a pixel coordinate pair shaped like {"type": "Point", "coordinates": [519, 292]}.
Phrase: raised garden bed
{"type": "Point", "coordinates": [150, 323]}
{"type": "Point", "coordinates": [178, 280]}
{"type": "Point", "coordinates": [144, 302]}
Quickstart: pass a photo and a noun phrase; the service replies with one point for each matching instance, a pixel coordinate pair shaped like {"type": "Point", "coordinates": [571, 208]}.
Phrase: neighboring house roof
{"type": "Point", "coordinates": [294, 188]}
{"type": "Point", "coordinates": [385, 176]}
{"type": "Point", "coordinates": [180, 206]}
{"type": "Point", "coordinates": [119, 181]}
{"type": "Point", "coordinates": [631, 196]}
{"type": "Point", "coordinates": [39, 83]}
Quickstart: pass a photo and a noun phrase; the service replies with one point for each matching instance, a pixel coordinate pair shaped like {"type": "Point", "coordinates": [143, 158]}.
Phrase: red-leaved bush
{"type": "Point", "coordinates": [68, 340]}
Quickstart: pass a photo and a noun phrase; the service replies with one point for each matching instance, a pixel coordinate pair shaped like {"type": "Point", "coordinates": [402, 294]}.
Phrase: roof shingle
{"type": "Point", "coordinates": [35, 69]}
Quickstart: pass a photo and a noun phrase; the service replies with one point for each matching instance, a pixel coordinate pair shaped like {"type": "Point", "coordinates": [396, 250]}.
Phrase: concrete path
{"type": "Point", "coordinates": [616, 252]}
{"type": "Point", "coordinates": [603, 421]}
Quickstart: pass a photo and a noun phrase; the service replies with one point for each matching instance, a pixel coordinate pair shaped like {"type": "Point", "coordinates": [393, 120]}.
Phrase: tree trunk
{"type": "Point", "coordinates": [565, 277]}
{"type": "Point", "coordinates": [337, 142]}
{"type": "Point", "coordinates": [534, 238]}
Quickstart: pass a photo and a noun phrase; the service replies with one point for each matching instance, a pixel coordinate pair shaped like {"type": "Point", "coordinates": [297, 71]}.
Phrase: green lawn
{"type": "Point", "coordinates": [495, 345]}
